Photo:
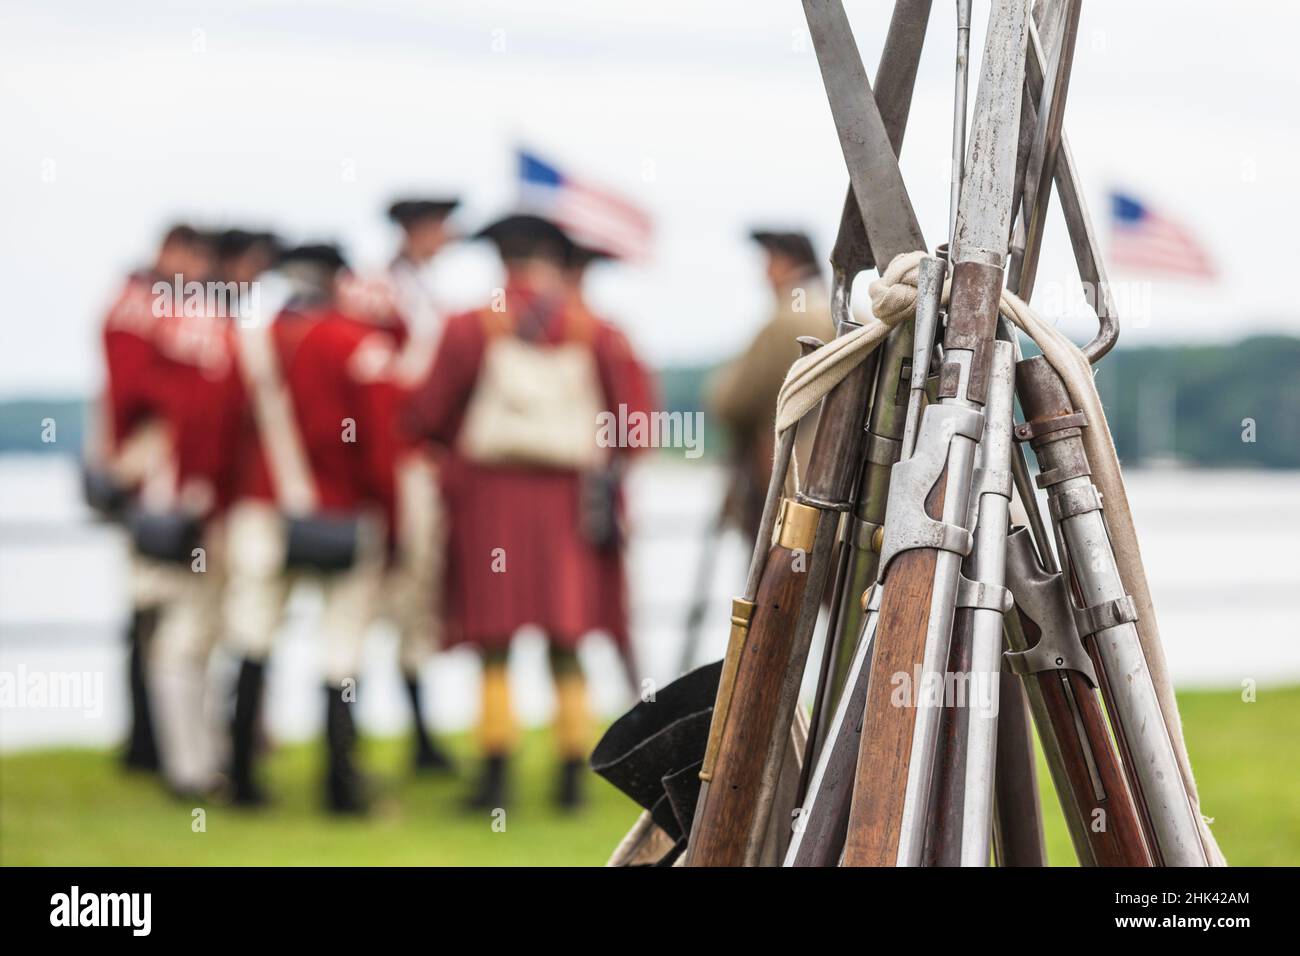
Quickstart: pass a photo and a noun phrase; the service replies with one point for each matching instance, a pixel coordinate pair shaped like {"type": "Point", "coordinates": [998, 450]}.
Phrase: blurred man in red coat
{"type": "Point", "coordinates": [131, 444]}
{"type": "Point", "coordinates": [316, 500]}
{"type": "Point", "coordinates": [202, 403]}
{"type": "Point", "coordinates": [515, 393]}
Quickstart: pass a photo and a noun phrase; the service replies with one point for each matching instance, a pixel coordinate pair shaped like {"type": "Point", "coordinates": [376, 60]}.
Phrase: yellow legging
{"type": "Point", "coordinates": [498, 732]}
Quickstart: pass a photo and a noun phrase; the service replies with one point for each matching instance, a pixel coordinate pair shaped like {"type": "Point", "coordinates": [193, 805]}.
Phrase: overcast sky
{"type": "Point", "coordinates": [119, 117]}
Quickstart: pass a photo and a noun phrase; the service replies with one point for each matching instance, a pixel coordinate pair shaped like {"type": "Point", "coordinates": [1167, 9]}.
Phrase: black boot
{"type": "Point", "coordinates": [344, 787]}
{"type": "Point", "coordinates": [490, 792]}
{"type": "Point", "coordinates": [429, 755]}
{"type": "Point", "coordinates": [570, 794]}
{"type": "Point", "coordinates": [243, 734]}
{"type": "Point", "coordinates": [141, 749]}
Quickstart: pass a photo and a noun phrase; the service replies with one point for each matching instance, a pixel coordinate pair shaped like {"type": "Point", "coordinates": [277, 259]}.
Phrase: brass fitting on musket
{"type": "Point", "coordinates": [797, 525]}
{"type": "Point", "coordinates": [866, 598]}
{"type": "Point", "coordinates": [742, 612]}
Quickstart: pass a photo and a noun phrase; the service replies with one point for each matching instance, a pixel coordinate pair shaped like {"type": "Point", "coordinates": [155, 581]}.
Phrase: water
{"type": "Point", "coordinates": [1220, 549]}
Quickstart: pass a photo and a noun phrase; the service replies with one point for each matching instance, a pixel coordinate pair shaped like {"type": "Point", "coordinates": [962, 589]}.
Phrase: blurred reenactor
{"type": "Point", "coordinates": [316, 501]}
{"type": "Point", "coordinates": [742, 395]}
{"type": "Point", "coordinates": [202, 403]}
{"type": "Point", "coordinates": [412, 596]}
{"type": "Point", "coordinates": [425, 232]}
{"type": "Point", "coordinates": [130, 445]}
{"type": "Point", "coordinates": [515, 394]}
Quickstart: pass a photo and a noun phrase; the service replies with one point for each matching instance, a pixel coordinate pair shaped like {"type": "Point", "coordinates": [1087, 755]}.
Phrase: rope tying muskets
{"type": "Point", "coordinates": [893, 300]}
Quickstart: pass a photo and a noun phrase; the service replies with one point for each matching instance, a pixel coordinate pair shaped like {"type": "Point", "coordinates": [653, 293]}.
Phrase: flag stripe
{"type": "Point", "coordinates": [1143, 239]}
{"type": "Point", "coordinates": [594, 216]}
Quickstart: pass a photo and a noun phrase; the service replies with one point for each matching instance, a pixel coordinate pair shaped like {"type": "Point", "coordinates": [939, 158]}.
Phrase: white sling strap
{"type": "Point", "coordinates": [277, 427]}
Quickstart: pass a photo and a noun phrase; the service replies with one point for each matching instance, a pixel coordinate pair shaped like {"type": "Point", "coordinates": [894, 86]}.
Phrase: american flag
{"type": "Point", "coordinates": [593, 216]}
{"type": "Point", "coordinates": [1143, 240]}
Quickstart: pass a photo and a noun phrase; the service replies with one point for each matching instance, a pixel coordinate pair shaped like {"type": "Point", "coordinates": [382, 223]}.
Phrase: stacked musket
{"type": "Point", "coordinates": [916, 463]}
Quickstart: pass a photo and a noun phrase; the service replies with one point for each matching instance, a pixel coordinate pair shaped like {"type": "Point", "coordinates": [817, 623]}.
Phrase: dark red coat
{"type": "Point", "coordinates": [553, 577]}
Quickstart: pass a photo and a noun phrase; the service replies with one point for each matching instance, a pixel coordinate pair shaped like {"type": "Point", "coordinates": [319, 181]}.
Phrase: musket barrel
{"type": "Point", "coordinates": [963, 782]}
{"type": "Point", "coordinates": [1107, 615]}
{"type": "Point", "coordinates": [930, 274]}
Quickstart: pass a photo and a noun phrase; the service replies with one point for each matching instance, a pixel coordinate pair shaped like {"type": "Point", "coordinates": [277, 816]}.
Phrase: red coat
{"type": "Point", "coordinates": [130, 356]}
{"type": "Point", "coordinates": [179, 370]}
{"type": "Point", "coordinates": [553, 577]}
{"type": "Point", "coordinates": [336, 369]}
{"type": "Point", "coordinates": [202, 400]}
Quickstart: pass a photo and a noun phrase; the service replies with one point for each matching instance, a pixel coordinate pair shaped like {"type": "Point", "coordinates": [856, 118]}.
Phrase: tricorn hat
{"type": "Point", "coordinates": [792, 244]}
{"type": "Point", "coordinates": [323, 255]}
{"type": "Point", "coordinates": [524, 236]}
{"type": "Point", "coordinates": [406, 212]}
{"type": "Point", "coordinates": [230, 243]}
{"type": "Point", "coordinates": [654, 752]}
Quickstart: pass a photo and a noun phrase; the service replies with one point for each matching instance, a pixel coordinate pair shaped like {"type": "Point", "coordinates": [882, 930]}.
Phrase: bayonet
{"type": "Point", "coordinates": [959, 112]}
{"type": "Point", "coordinates": [890, 221]}
{"type": "Point", "coordinates": [1063, 22]}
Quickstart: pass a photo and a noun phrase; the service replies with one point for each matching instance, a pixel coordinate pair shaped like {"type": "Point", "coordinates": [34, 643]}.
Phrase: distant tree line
{"type": "Point", "coordinates": [1212, 406]}
{"type": "Point", "coordinates": [1206, 405]}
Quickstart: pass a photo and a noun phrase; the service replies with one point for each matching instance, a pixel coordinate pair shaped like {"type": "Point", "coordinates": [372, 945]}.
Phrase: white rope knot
{"type": "Point", "coordinates": [893, 295]}
{"type": "Point", "coordinates": [893, 300]}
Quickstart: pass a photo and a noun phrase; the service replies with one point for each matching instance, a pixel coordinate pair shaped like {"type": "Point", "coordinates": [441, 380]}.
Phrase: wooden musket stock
{"type": "Point", "coordinates": [737, 789]}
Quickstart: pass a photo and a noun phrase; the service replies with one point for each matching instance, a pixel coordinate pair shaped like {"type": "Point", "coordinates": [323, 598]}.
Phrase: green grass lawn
{"type": "Point", "coordinates": [74, 807]}
{"type": "Point", "coordinates": [1247, 762]}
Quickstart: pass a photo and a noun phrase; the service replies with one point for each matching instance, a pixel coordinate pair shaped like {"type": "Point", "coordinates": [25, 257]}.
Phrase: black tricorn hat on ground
{"type": "Point", "coordinates": [653, 753]}
{"type": "Point", "coordinates": [407, 212]}
{"type": "Point", "coordinates": [323, 255]}
{"type": "Point", "coordinates": [526, 236]}
{"type": "Point", "coordinates": [793, 245]}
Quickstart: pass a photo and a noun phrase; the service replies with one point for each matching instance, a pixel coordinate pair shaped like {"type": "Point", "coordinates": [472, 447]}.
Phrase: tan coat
{"type": "Point", "coordinates": [742, 394]}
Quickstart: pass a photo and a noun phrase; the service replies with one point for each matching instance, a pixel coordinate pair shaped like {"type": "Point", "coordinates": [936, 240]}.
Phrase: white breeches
{"type": "Point", "coordinates": [189, 626]}
{"type": "Point", "coordinates": [259, 589]}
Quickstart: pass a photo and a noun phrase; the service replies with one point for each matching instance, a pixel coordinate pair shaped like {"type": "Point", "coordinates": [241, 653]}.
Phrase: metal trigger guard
{"type": "Point", "coordinates": [1045, 600]}
{"type": "Point", "coordinates": [907, 525]}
